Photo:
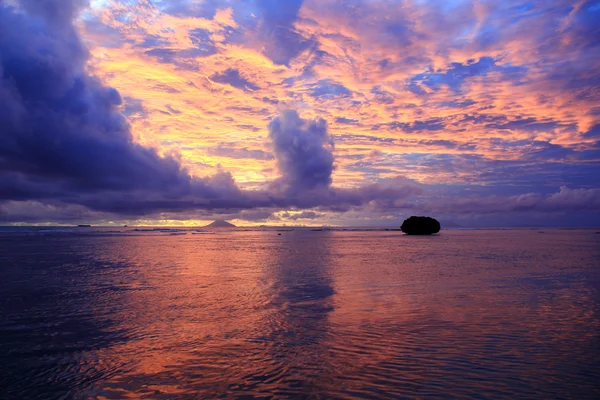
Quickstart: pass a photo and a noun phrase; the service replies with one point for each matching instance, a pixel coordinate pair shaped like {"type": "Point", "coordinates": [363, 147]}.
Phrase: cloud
{"type": "Point", "coordinates": [55, 12]}
{"type": "Point", "coordinates": [526, 124]}
{"type": "Point", "coordinates": [223, 150]}
{"type": "Point", "coordinates": [448, 144]}
{"type": "Point", "coordinates": [35, 212]}
{"type": "Point", "coordinates": [456, 74]}
{"type": "Point", "coordinates": [281, 41]}
{"type": "Point", "coordinates": [566, 200]}
{"type": "Point", "coordinates": [346, 121]}
{"type": "Point", "coordinates": [64, 136]}
{"type": "Point", "coordinates": [326, 89]}
{"type": "Point", "coordinates": [303, 150]}
{"type": "Point", "coordinates": [233, 78]}
{"type": "Point", "coordinates": [573, 199]}
{"type": "Point", "coordinates": [201, 39]}
{"type": "Point", "coordinates": [382, 96]}
{"type": "Point", "coordinates": [433, 124]}
{"type": "Point", "coordinates": [253, 215]}
{"type": "Point", "coordinates": [302, 215]}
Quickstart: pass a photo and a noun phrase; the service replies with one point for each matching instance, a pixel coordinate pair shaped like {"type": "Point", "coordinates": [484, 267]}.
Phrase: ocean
{"type": "Point", "coordinates": [184, 313]}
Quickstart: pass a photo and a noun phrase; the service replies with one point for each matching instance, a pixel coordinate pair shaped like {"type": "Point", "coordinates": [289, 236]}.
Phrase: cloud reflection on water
{"type": "Point", "coordinates": [340, 314]}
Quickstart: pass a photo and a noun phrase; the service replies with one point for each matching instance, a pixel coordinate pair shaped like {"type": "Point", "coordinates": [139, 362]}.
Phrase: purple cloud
{"type": "Point", "coordinates": [565, 200]}
{"type": "Point", "coordinates": [63, 134]}
{"type": "Point", "coordinates": [303, 150]}
{"type": "Point", "coordinates": [346, 121]}
{"type": "Point", "coordinates": [282, 42]}
{"type": "Point", "coordinates": [223, 150]}
{"type": "Point", "coordinates": [233, 78]}
{"type": "Point", "coordinates": [302, 215]}
{"type": "Point", "coordinates": [327, 89]}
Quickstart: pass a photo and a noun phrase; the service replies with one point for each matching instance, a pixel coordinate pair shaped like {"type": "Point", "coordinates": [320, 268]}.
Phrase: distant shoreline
{"type": "Point", "coordinates": [290, 228]}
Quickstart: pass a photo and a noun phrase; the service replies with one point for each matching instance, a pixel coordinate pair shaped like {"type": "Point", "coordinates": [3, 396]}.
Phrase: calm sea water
{"type": "Point", "coordinates": [160, 315]}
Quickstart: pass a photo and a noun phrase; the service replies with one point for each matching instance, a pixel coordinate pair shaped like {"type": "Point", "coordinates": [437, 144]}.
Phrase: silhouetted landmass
{"type": "Point", "coordinates": [84, 226]}
{"type": "Point", "coordinates": [420, 226]}
{"type": "Point", "coordinates": [220, 224]}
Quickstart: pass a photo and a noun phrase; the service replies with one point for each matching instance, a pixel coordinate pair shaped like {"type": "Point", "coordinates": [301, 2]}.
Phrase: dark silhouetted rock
{"type": "Point", "coordinates": [420, 226]}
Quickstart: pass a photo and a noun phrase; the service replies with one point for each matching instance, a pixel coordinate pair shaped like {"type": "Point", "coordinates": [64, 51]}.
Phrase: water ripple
{"type": "Point", "coordinates": [470, 314]}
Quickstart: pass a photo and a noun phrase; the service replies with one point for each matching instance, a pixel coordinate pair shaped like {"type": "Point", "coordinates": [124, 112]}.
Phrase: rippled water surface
{"type": "Point", "coordinates": [465, 314]}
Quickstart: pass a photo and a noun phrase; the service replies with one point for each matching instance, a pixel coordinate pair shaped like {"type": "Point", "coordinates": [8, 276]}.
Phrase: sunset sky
{"type": "Point", "coordinates": [337, 112]}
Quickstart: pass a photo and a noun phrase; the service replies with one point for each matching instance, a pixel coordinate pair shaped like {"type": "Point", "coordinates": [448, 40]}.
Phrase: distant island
{"type": "Point", "coordinates": [220, 223]}
{"type": "Point", "coordinates": [420, 226]}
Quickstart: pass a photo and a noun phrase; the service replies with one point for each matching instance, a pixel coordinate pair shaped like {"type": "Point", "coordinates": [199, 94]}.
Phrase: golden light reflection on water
{"type": "Point", "coordinates": [330, 314]}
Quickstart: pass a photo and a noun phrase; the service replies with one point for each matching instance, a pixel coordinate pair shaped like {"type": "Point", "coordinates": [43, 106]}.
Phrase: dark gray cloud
{"type": "Point", "coordinates": [528, 125]}
{"type": "Point", "coordinates": [133, 106]}
{"type": "Point", "coordinates": [365, 138]}
{"type": "Point", "coordinates": [225, 150]}
{"type": "Point", "coordinates": [35, 212]}
{"type": "Point", "coordinates": [254, 215]}
{"type": "Point", "coordinates": [302, 215]}
{"type": "Point", "coordinates": [303, 150]}
{"type": "Point", "coordinates": [325, 89]}
{"type": "Point", "coordinates": [347, 121]}
{"type": "Point", "coordinates": [56, 12]}
{"type": "Point", "coordinates": [432, 124]}
{"type": "Point", "coordinates": [448, 144]}
{"type": "Point", "coordinates": [457, 103]}
{"type": "Point", "coordinates": [281, 42]}
{"type": "Point", "coordinates": [565, 200]}
{"type": "Point", "coordinates": [233, 78]}
{"type": "Point", "coordinates": [63, 135]}
{"type": "Point", "coordinates": [382, 96]}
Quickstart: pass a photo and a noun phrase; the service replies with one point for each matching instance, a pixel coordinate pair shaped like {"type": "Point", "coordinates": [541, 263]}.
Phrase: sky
{"type": "Point", "coordinates": [300, 112]}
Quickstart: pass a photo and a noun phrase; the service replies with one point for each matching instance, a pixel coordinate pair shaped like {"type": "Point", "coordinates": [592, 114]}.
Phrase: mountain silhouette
{"type": "Point", "coordinates": [220, 223]}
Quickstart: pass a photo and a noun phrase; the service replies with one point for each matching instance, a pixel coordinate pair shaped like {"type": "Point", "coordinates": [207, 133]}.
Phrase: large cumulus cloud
{"type": "Point", "coordinates": [303, 149]}
{"type": "Point", "coordinates": [63, 137]}
{"type": "Point", "coordinates": [59, 124]}
{"type": "Point", "coordinates": [304, 152]}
